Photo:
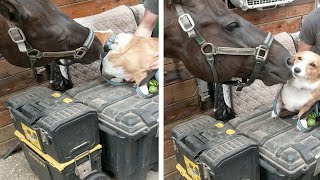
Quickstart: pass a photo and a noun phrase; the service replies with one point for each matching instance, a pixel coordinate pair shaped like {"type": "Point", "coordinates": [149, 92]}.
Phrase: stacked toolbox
{"type": "Point", "coordinates": [128, 127]}
{"type": "Point", "coordinates": [285, 153]}
{"type": "Point", "coordinates": [208, 149]}
{"type": "Point", "coordinates": [59, 136]}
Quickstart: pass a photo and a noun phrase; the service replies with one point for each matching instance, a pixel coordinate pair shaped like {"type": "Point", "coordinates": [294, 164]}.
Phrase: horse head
{"type": "Point", "coordinates": [222, 28]}
{"type": "Point", "coordinates": [46, 29]}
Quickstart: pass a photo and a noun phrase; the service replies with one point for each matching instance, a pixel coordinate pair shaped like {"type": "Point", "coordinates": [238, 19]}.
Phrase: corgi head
{"type": "Point", "coordinates": [306, 66]}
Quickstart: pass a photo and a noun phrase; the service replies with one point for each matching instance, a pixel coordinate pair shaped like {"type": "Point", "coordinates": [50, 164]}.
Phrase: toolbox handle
{"type": "Point", "coordinates": [270, 168]}
{"type": "Point", "coordinates": [74, 151]}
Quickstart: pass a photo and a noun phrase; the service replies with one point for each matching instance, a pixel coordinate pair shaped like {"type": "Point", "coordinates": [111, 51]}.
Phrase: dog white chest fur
{"type": "Point", "coordinates": [296, 93]}
{"type": "Point", "coordinates": [121, 41]}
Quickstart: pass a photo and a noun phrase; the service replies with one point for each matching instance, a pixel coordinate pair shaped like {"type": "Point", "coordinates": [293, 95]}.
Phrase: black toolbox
{"type": "Point", "coordinates": [86, 166]}
{"type": "Point", "coordinates": [285, 152]}
{"type": "Point", "coordinates": [209, 149]}
{"type": "Point", "coordinates": [54, 123]}
{"type": "Point", "coordinates": [128, 127]}
{"type": "Point", "coordinates": [59, 136]}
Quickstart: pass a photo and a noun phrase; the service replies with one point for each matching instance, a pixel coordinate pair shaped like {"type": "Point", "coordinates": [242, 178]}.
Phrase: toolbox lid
{"type": "Point", "coordinates": [21, 98]}
{"type": "Point", "coordinates": [283, 147]}
{"type": "Point", "coordinates": [210, 140]}
{"type": "Point", "coordinates": [119, 107]}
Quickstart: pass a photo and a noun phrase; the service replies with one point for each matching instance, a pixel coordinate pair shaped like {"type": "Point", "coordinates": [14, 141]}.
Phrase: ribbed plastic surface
{"type": "Point", "coordinates": [61, 116]}
{"type": "Point", "coordinates": [128, 127]}
{"type": "Point", "coordinates": [206, 145]}
{"type": "Point", "coordinates": [23, 97]}
{"type": "Point", "coordinates": [287, 150]}
{"type": "Point", "coordinates": [119, 107]}
{"type": "Point", "coordinates": [54, 123]}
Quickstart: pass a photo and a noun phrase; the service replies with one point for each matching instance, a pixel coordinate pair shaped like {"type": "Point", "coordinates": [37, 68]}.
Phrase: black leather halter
{"type": "Point", "coordinates": [18, 37]}
{"type": "Point", "coordinates": [261, 52]}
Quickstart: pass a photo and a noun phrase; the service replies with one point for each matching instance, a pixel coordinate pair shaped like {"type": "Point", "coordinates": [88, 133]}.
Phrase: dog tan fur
{"type": "Point", "coordinates": [136, 57]}
{"type": "Point", "coordinates": [312, 76]}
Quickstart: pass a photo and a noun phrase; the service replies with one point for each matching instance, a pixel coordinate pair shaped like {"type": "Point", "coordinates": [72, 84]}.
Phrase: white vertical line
{"type": "Point", "coordinates": [161, 89]}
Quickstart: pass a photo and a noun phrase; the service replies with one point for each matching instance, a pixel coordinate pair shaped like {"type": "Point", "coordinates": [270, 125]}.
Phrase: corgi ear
{"type": "Point", "coordinates": [295, 57]}
{"type": "Point", "coordinates": [103, 36]}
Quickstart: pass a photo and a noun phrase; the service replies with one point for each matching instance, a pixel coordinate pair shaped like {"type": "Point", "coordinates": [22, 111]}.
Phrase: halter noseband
{"type": "Point", "coordinates": [18, 37]}
{"type": "Point", "coordinates": [261, 52]}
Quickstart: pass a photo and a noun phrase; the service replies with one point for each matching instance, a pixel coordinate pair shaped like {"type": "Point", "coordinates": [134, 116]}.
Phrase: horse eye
{"type": "Point", "coordinates": [231, 27]}
{"type": "Point", "coordinates": [313, 65]}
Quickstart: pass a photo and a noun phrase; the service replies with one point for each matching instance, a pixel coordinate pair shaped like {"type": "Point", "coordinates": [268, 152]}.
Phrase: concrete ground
{"type": "Point", "coordinates": [16, 167]}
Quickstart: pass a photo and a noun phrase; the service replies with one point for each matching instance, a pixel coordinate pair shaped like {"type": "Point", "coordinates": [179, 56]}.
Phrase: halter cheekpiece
{"type": "Point", "coordinates": [261, 52]}
{"type": "Point", "coordinates": [19, 38]}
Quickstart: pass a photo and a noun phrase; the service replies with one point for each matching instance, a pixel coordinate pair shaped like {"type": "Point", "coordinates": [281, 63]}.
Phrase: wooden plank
{"type": "Point", "coordinates": [3, 99]}
{"type": "Point", "coordinates": [169, 60]}
{"type": "Point", "coordinates": [7, 132]}
{"type": "Point", "coordinates": [297, 2]}
{"type": "Point", "coordinates": [288, 25]}
{"type": "Point", "coordinates": [66, 2]}
{"type": "Point", "coordinates": [5, 146]}
{"type": "Point", "coordinates": [177, 92]}
{"type": "Point", "coordinates": [267, 16]}
{"type": "Point", "coordinates": [17, 82]}
{"type": "Point", "coordinates": [173, 176]}
{"type": "Point", "coordinates": [168, 149]}
{"type": "Point", "coordinates": [181, 109]}
{"type": "Point", "coordinates": [87, 8]}
{"type": "Point", "coordinates": [169, 165]}
{"type": "Point", "coordinates": [7, 69]}
{"type": "Point", "coordinates": [5, 118]}
{"type": "Point", "coordinates": [175, 72]}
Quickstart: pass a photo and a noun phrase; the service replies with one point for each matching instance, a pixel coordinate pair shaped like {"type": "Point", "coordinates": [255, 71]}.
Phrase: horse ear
{"type": "Point", "coordinates": [13, 12]}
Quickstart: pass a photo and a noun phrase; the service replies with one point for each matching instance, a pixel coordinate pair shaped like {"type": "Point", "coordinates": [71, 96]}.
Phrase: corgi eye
{"type": "Point", "coordinates": [312, 64]}
{"type": "Point", "coordinates": [300, 58]}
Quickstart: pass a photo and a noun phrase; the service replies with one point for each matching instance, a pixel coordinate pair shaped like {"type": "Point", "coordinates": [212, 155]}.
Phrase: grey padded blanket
{"type": "Point", "coordinates": [259, 94]}
{"type": "Point", "coordinates": [120, 19]}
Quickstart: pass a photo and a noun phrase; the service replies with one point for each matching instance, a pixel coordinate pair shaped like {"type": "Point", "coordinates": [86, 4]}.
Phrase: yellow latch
{"type": "Point", "coordinates": [219, 125]}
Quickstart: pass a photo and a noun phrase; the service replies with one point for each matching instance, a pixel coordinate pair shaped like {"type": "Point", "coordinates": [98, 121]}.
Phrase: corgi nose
{"type": "Point", "coordinates": [297, 70]}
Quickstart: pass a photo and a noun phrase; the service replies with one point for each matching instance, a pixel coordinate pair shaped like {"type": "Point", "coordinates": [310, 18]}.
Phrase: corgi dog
{"type": "Point", "coordinates": [302, 91]}
{"type": "Point", "coordinates": [130, 57]}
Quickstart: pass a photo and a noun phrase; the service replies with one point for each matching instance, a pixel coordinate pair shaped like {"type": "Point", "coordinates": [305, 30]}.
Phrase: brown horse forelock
{"type": "Point", "coordinates": [210, 18]}
{"type": "Point", "coordinates": [46, 29]}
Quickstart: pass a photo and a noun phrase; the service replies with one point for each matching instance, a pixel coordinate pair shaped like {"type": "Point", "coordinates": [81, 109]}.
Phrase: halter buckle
{"type": "Point", "coordinates": [80, 52]}
{"type": "Point", "coordinates": [262, 53]}
{"type": "Point", "coordinates": [189, 26]}
{"type": "Point", "coordinates": [17, 35]}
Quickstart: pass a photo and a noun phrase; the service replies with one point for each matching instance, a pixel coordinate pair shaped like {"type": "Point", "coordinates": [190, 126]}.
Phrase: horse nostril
{"type": "Point", "coordinates": [297, 70]}
{"type": "Point", "coordinates": [289, 62]}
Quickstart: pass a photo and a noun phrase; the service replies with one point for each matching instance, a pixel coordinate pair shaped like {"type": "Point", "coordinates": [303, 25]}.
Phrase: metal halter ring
{"type": "Point", "coordinates": [34, 53]}
{"type": "Point", "coordinates": [14, 38]}
{"type": "Point", "coordinates": [191, 22]}
{"type": "Point", "coordinates": [205, 45]}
